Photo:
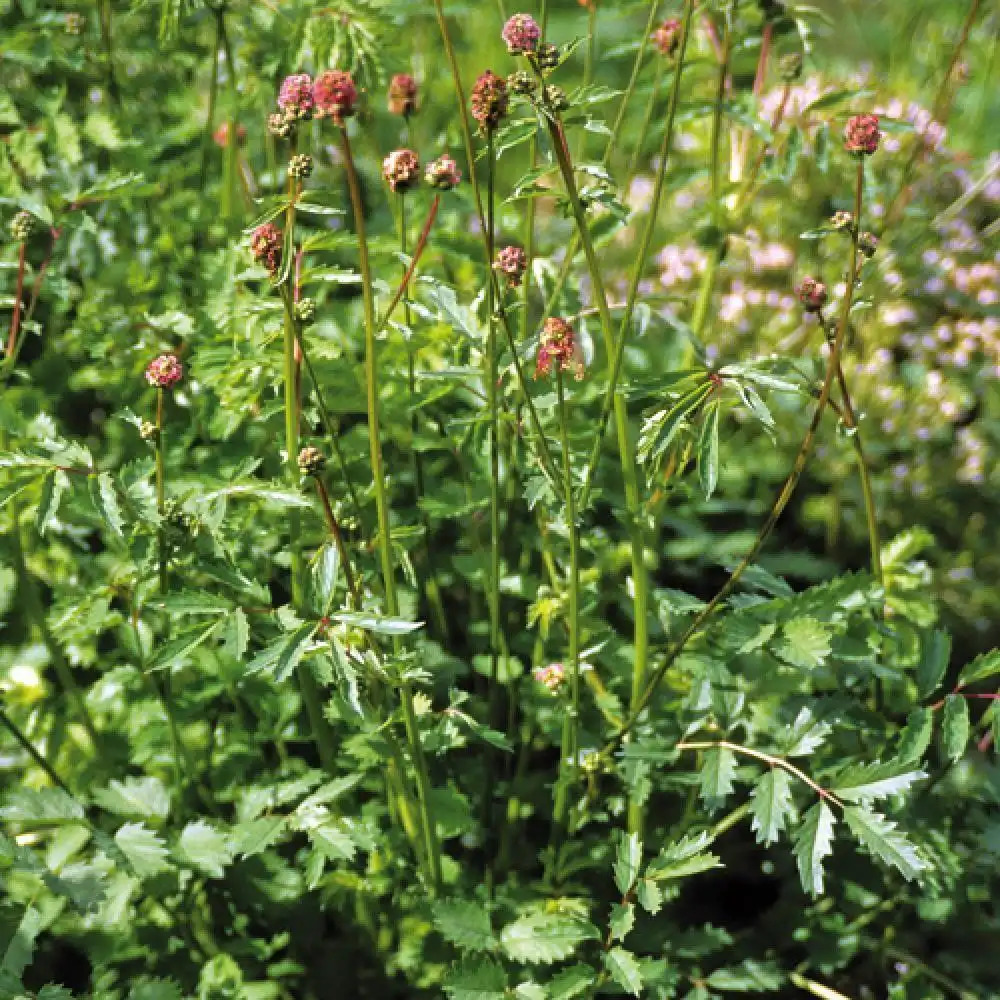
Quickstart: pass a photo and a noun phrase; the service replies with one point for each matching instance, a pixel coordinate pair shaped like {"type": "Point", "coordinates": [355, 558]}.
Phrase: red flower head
{"type": "Point", "coordinates": [335, 95]}
{"type": "Point", "coordinates": [164, 372]}
{"type": "Point", "coordinates": [862, 135]}
{"type": "Point", "coordinates": [265, 246]}
{"type": "Point", "coordinates": [402, 94]}
{"type": "Point", "coordinates": [221, 135]}
{"type": "Point", "coordinates": [522, 34]}
{"type": "Point", "coordinates": [557, 346]}
{"type": "Point", "coordinates": [489, 100]}
{"type": "Point", "coordinates": [443, 173]}
{"type": "Point", "coordinates": [812, 294]}
{"type": "Point", "coordinates": [296, 96]}
{"type": "Point", "coordinates": [667, 37]}
{"type": "Point", "coordinates": [401, 169]}
{"type": "Point", "coordinates": [511, 262]}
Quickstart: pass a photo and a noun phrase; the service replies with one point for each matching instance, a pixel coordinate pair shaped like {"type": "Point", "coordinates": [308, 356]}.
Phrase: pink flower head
{"type": "Point", "coordinates": [557, 346]}
{"type": "Point", "coordinates": [265, 246]}
{"type": "Point", "coordinates": [489, 100]}
{"type": "Point", "coordinates": [402, 94]}
{"type": "Point", "coordinates": [296, 95]}
{"type": "Point", "coordinates": [511, 262]}
{"type": "Point", "coordinates": [667, 36]}
{"type": "Point", "coordinates": [522, 34]}
{"type": "Point", "coordinates": [165, 371]}
{"type": "Point", "coordinates": [401, 169]}
{"type": "Point", "coordinates": [551, 677]}
{"type": "Point", "coordinates": [812, 294]}
{"type": "Point", "coordinates": [443, 173]}
{"type": "Point", "coordinates": [862, 135]}
{"type": "Point", "coordinates": [335, 95]}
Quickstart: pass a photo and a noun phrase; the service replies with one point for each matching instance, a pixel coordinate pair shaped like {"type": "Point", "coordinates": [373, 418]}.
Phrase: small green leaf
{"type": "Point", "coordinates": [882, 840]}
{"type": "Point", "coordinates": [624, 969]}
{"type": "Point", "coordinates": [772, 805]}
{"type": "Point", "coordinates": [626, 867]}
{"type": "Point", "coordinates": [686, 857]}
{"type": "Point", "coordinates": [984, 666]}
{"type": "Point", "coordinates": [281, 657]}
{"type": "Point", "coordinates": [476, 979]}
{"type": "Point", "coordinates": [916, 735]}
{"type": "Point", "coordinates": [717, 772]}
{"type": "Point", "coordinates": [144, 849]}
{"type": "Point", "coordinates": [53, 488]}
{"type": "Point", "coordinates": [955, 726]}
{"type": "Point", "coordinates": [380, 624]}
{"type": "Point", "coordinates": [621, 921]}
{"type": "Point", "coordinates": [205, 848]}
{"type": "Point", "coordinates": [805, 643]}
{"type": "Point", "coordinates": [545, 937]}
{"type": "Point", "coordinates": [139, 798]}
{"type": "Point", "coordinates": [325, 570]}
{"type": "Point", "coordinates": [39, 805]}
{"type": "Point", "coordinates": [464, 924]}
{"type": "Point", "coordinates": [572, 982]}
{"type": "Point", "coordinates": [708, 449]}
{"type": "Point", "coordinates": [868, 782]}
{"type": "Point", "coordinates": [813, 842]}
{"type": "Point", "coordinates": [105, 500]}
{"type": "Point", "coordinates": [935, 654]}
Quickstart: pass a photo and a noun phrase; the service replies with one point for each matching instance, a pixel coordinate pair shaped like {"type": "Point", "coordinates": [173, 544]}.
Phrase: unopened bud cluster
{"type": "Point", "coordinates": [300, 166]}
{"type": "Point", "coordinates": [790, 67]}
{"type": "Point", "coordinates": [667, 37]}
{"type": "Point", "coordinates": [305, 310]}
{"type": "Point", "coordinates": [265, 246]}
{"type": "Point", "coordinates": [511, 262]}
{"type": "Point", "coordinates": [489, 101]}
{"type": "Point", "coordinates": [812, 294]}
{"type": "Point", "coordinates": [75, 23]}
{"type": "Point", "coordinates": [311, 461]}
{"type": "Point", "coordinates": [22, 226]}
{"type": "Point", "coordinates": [401, 169]}
{"type": "Point", "coordinates": [443, 173]}
{"type": "Point", "coordinates": [402, 96]}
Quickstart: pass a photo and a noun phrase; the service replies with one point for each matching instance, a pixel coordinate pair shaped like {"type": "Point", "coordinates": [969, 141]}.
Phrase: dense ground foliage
{"type": "Point", "coordinates": [499, 504]}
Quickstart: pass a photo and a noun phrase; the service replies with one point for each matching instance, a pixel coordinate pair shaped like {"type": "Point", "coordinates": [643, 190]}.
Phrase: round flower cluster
{"type": "Point", "coordinates": [21, 226]}
{"type": "Point", "coordinates": [305, 310]}
{"type": "Point", "coordinates": [164, 372]}
{"type": "Point", "coordinates": [489, 100]}
{"type": "Point", "coordinates": [667, 37]}
{"type": "Point", "coordinates": [547, 56]}
{"type": "Point", "coordinates": [295, 98]}
{"type": "Point", "coordinates": [868, 243]}
{"type": "Point", "coordinates": [401, 169]}
{"type": "Point", "coordinates": [402, 98]}
{"type": "Point", "coordinates": [790, 67]}
{"type": "Point", "coordinates": [75, 23]}
{"type": "Point", "coordinates": [862, 135]}
{"type": "Point", "coordinates": [511, 262]}
{"type": "Point", "coordinates": [443, 173]}
{"type": "Point", "coordinates": [265, 246]}
{"type": "Point", "coordinates": [521, 34]}
{"type": "Point", "coordinates": [311, 461]}
{"type": "Point", "coordinates": [557, 346]}
{"type": "Point", "coordinates": [335, 95]}
{"type": "Point", "coordinates": [300, 166]}
{"type": "Point", "coordinates": [552, 677]}
{"type": "Point", "coordinates": [555, 97]}
{"type": "Point", "coordinates": [812, 294]}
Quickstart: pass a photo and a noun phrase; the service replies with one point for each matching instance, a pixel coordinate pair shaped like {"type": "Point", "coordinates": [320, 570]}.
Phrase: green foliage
{"type": "Point", "coordinates": [673, 679]}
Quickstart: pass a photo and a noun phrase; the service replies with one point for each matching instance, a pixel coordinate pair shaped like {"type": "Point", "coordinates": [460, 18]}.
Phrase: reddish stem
{"type": "Point", "coordinates": [765, 50]}
{"type": "Point", "coordinates": [418, 250]}
{"type": "Point", "coordinates": [15, 322]}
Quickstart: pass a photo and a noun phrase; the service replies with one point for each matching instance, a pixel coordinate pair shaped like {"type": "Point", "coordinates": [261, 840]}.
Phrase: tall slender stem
{"type": "Point", "coordinates": [570, 754]}
{"type": "Point", "coordinates": [161, 530]}
{"type": "Point", "coordinates": [15, 319]}
{"type": "Point", "coordinates": [630, 477]}
{"type": "Point", "coordinates": [801, 459]}
{"type": "Point", "coordinates": [640, 260]}
{"type": "Point", "coordinates": [421, 777]}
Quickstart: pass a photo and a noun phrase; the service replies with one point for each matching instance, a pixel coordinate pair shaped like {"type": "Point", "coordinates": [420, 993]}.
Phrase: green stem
{"type": "Point", "coordinates": [34, 754]}
{"type": "Point", "coordinates": [646, 243]}
{"type": "Point", "coordinates": [570, 753]}
{"type": "Point", "coordinates": [630, 478]}
{"type": "Point", "coordinates": [161, 530]}
{"type": "Point", "coordinates": [308, 686]}
{"type": "Point", "coordinates": [411, 725]}
{"type": "Point", "coordinates": [801, 459]}
{"type": "Point", "coordinates": [540, 442]}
